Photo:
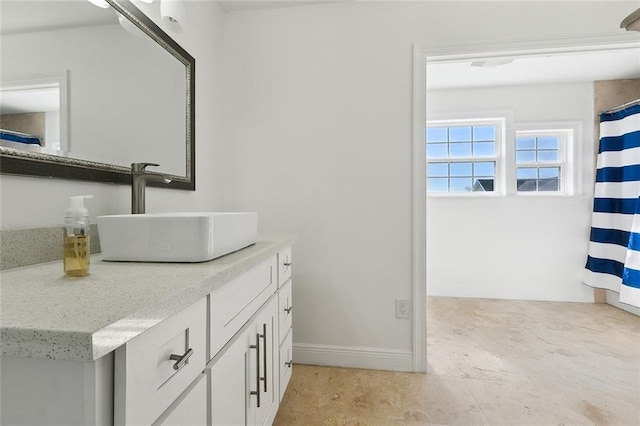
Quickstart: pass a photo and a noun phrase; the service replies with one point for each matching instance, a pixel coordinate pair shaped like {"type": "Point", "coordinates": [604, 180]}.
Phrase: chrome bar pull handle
{"type": "Point", "coordinates": [264, 358]}
{"type": "Point", "coordinates": [257, 391]}
{"type": "Point", "coordinates": [181, 360]}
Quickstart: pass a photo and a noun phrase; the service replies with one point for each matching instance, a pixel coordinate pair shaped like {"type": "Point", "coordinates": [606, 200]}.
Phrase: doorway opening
{"type": "Point", "coordinates": [486, 234]}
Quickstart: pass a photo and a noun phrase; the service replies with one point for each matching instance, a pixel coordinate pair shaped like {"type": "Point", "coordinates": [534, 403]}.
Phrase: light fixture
{"type": "Point", "coordinates": [631, 22]}
{"type": "Point", "coordinates": [173, 14]}
{"type": "Point", "coordinates": [100, 3]}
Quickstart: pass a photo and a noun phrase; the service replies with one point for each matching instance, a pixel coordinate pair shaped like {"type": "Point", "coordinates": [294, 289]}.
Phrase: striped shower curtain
{"type": "Point", "coordinates": [613, 262]}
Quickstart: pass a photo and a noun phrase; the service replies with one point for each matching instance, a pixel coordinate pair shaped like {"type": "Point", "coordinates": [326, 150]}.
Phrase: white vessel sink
{"type": "Point", "coordinates": [175, 237]}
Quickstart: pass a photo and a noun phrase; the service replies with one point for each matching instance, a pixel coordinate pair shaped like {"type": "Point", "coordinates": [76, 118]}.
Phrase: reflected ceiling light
{"type": "Point", "coordinates": [129, 26]}
{"type": "Point", "coordinates": [100, 3]}
{"type": "Point", "coordinates": [147, 1]}
{"type": "Point", "coordinates": [631, 22]}
{"type": "Point", "coordinates": [490, 63]}
{"type": "Point", "coordinates": [173, 14]}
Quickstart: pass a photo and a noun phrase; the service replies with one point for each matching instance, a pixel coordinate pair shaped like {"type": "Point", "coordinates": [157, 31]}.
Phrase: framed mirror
{"type": "Point", "coordinates": [86, 91]}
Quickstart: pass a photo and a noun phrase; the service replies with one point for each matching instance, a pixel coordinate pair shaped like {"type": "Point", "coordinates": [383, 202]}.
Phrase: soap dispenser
{"type": "Point", "coordinates": [76, 257]}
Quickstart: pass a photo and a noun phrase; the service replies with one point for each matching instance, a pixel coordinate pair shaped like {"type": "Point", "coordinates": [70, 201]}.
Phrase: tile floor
{"type": "Point", "coordinates": [490, 362]}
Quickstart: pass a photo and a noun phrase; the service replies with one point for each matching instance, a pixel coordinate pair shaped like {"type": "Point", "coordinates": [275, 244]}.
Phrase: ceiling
{"type": "Point", "coordinates": [612, 64]}
{"type": "Point", "coordinates": [235, 5]}
{"type": "Point", "coordinates": [20, 16]}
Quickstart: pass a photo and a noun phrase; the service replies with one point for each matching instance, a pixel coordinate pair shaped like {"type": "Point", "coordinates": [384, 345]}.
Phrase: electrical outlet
{"type": "Point", "coordinates": [402, 309]}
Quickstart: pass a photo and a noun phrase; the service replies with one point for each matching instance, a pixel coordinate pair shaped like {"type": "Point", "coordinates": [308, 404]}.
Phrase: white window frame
{"type": "Point", "coordinates": [569, 162]}
{"type": "Point", "coordinates": [499, 158]}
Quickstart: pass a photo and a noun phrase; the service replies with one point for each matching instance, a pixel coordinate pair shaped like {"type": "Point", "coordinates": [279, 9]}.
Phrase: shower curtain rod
{"type": "Point", "coordinates": [621, 107]}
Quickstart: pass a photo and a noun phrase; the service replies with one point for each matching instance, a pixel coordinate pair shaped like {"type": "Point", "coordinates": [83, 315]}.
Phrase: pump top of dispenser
{"type": "Point", "coordinates": [76, 206]}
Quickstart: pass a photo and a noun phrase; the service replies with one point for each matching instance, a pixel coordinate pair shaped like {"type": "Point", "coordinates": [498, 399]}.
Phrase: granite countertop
{"type": "Point", "coordinates": [45, 314]}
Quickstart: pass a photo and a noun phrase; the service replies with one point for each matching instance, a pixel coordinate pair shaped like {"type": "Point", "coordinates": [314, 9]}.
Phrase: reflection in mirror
{"type": "Point", "coordinates": [117, 94]}
{"type": "Point", "coordinates": [33, 114]}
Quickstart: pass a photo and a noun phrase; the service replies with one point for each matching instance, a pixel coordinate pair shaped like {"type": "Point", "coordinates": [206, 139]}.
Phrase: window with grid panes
{"type": "Point", "coordinates": [462, 157]}
{"type": "Point", "coordinates": [540, 161]}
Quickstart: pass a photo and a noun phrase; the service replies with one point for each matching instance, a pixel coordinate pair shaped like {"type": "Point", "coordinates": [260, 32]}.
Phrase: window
{"type": "Point", "coordinates": [462, 157]}
{"type": "Point", "coordinates": [540, 161]}
{"type": "Point", "coordinates": [485, 156]}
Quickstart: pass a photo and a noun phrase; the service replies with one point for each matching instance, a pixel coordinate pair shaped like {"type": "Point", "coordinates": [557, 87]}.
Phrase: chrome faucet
{"type": "Point", "coordinates": [139, 179]}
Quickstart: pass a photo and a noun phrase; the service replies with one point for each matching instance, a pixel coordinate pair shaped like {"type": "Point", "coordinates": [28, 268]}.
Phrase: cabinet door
{"type": "Point", "coordinates": [229, 386]}
{"type": "Point", "coordinates": [263, 370]}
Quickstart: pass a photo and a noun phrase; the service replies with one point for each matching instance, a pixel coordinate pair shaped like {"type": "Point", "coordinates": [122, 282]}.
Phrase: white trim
{"type": "Point", "coordinates": [475, 49]}
{"type": "Point", "coordinates": [497, 47]}
{"type": "Point", "coordinates": [501, 291]}
{"type": "Point", "coordinates": [613, 299]}
{"type": "Point", "coordinates": [419, 212]}
{"type": "Point", "coordinates": [353, 357]}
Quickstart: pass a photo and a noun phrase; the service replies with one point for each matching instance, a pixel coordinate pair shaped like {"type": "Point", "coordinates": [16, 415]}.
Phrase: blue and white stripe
{"type": "Point", "coordinates": [613, 262]}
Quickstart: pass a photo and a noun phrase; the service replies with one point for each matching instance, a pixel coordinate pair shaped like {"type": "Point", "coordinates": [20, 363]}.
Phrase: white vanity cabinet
{"type": "Point", "coordinates": [225, 359]}
{"type": "Point", "coordinates": [246, 375]}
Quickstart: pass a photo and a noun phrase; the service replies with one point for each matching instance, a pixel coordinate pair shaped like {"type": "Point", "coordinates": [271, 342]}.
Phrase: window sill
{"type": "Point", "coordinates": [465, 195]}
{"type": "Point", "coordinates": [529, 196]}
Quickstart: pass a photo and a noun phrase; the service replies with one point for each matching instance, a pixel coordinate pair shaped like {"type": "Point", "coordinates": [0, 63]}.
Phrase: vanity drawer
{"type": "Point", "coordinates": [286, 362]}
{"type": "Point", "coordinates": [190, 409]}
{"type": "Point", "coordinates": [146, 379]}
{"type": "Point", "coordinates": [233, 304]}
{"type": "Point", "coordinates": [284, 266]}
{"type": "Point", "coordinates": [285, 309]}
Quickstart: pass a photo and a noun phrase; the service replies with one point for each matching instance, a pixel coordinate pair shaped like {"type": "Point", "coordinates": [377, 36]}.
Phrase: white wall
{"type": "Point", "coordinates": [514, 247]}
{"type": "Point", "coordinates": [318, 122]}
{"type": "Point", "coordinates": [29, 202]}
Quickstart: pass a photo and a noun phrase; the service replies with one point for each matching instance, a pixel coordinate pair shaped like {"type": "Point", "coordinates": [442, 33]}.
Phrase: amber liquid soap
{"type": "Point", "coordinates": [75, 245]}
{"type": "Point", "coordinates": [76, 255]}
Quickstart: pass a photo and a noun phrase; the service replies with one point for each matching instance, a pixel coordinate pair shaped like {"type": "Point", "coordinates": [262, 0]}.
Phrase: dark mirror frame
{"type": "Point", "coordinates": [14, 162]}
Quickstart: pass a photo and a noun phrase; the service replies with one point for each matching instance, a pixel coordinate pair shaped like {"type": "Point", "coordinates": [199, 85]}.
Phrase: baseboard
{"type": "Point", "coordinates": [582, 293]}
{"type": "Point", "coordinates": [353, 357]}
{"type": "Point", "coordinates": [613, 299]}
